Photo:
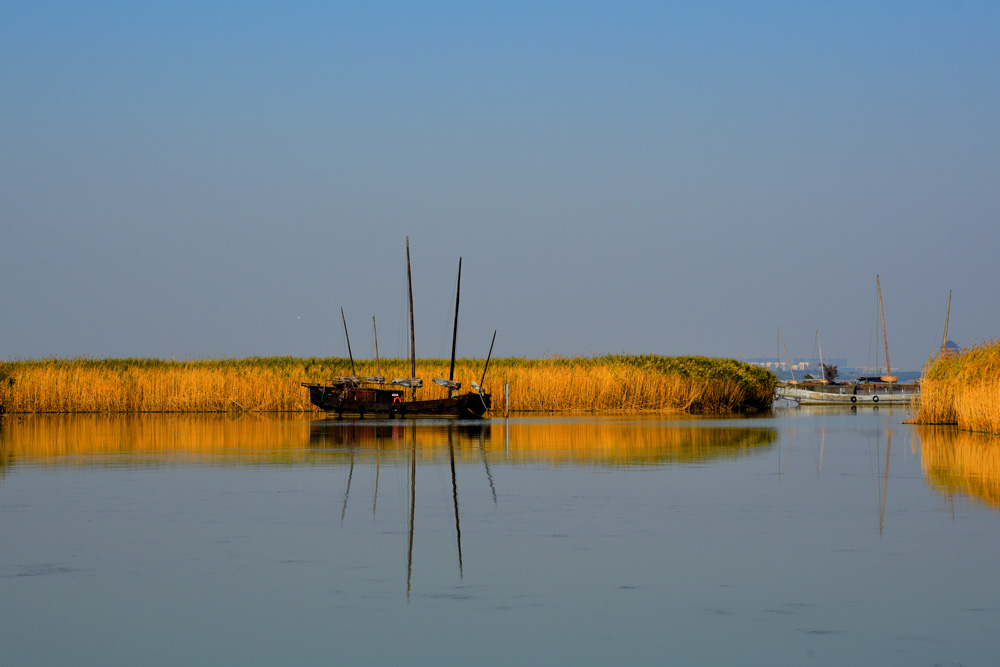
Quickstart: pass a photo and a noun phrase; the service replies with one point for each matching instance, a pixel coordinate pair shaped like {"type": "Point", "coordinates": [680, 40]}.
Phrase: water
{"type": "Point", "coordinates": [809, 537]}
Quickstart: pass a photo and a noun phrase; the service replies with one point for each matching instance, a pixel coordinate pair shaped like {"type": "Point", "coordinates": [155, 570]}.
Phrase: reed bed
{"type": "Point", "coordinates": [617, 383]}
{"type": "Point", "coordinates": [963, 389]}
{"type": "Point", "coordinates": [622, 383]}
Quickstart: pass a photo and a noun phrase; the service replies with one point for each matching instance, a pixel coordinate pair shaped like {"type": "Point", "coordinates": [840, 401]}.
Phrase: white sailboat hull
{"type": "Point", "coordinates": [868, 394]}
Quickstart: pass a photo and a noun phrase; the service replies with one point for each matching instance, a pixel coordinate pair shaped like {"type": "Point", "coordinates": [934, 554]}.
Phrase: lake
{"type": "Point", "coordinates": [809, 536]}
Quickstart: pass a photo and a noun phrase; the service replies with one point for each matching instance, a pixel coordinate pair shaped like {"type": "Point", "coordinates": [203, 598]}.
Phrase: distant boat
{"type": "Point", "coordinates": [370, 396]}
{"type": "Point", "coordinates": [878, 390]}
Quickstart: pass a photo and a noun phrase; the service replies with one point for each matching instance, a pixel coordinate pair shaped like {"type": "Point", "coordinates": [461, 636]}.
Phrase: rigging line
{"type": "Point", "coordinates": [402, 326]}
{"type": "Point", "coordinates": [885, 337]}
{"type": "Point", "coordinates": [447, 330]}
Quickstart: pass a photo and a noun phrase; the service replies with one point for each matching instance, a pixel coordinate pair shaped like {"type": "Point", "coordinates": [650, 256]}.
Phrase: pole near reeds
{"type": "Point", "coordinates": [346, 335]}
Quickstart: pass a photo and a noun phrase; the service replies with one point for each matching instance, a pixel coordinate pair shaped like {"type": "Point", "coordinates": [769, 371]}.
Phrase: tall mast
{"type": "Point", "coordinates": [413, 352]}
{"type": "Point", "coordinates": [348, 340]}
{"type": "Point", "coordinates": [944, 342]}
{"type": "Point", "coordinates": [822, 371]}
{"type": "Point", "coordinates": [790, 369]}
{"type": "Point", "coordinates": [454, 336]}
{"type": "Point", "coordinates": [888, 369]}
{"type": "Point", "coordinates": [378, 365]}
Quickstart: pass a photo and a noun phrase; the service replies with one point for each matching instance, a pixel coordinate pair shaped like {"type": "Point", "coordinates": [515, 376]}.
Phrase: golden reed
{"type": "Point", "coordinates": [963, 389]}
{"type": "Point", "coordinates": [617, 383]}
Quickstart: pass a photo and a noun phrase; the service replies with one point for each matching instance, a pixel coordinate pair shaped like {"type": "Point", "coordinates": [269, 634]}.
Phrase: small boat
{"type": "Point", "coordinates": [354, 395]}
{"type": "Point", "coordinates": [878, 390]}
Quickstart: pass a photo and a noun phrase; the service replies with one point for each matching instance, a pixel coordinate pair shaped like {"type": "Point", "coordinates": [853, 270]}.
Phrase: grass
{"type": "Point", "coordinates": [963, 389]}
{"type": "Point", "coordinates": [614, 383]}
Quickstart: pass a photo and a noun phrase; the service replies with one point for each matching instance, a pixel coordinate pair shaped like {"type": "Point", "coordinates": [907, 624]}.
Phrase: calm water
{"type": "Point", "coordinates": [809, 537]}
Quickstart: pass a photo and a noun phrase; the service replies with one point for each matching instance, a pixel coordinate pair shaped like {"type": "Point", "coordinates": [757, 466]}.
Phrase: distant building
{"type": "Point", "coordinates": [800, 365]}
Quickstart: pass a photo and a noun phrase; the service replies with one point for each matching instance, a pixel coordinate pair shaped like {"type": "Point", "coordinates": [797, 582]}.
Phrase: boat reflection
{"type": "Point", "coordinates": [960, 463]}
{"type": "Point", "coordinates": [559, 441]}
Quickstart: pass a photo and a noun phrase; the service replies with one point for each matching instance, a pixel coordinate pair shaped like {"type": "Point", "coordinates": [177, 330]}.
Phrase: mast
{"type": "Point", "coordinates": [822, 370]}
{"type": "Point", "coordinates": [348, 340]}
{"type": "Point", "coordinates": [888, 369]}
{"type": "Point", "coordinates": [790, 369]}
{"type": "Point", "coordinates": [454, 336]}
{"type": "Point", "coordinates": [378, 365]}
{"type": "Point", "coordinates": [944, 342]}
{"type": "Point", "coordinates": [413, 352]}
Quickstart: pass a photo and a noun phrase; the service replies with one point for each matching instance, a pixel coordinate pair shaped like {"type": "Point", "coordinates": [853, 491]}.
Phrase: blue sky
{"type": "Point", "coordinates": [192, 180]}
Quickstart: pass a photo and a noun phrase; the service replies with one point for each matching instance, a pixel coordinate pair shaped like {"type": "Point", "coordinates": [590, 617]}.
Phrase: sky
{"type": "Point", "coordinates": [191, 180]}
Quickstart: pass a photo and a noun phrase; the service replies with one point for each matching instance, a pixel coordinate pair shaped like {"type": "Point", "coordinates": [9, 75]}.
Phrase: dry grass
{"type": "Point", "coordinates": [603, 384]}
{"type": "Point", "coordinates": [963, 389]}
{"type": "Point", "coordinates": [620, 383]}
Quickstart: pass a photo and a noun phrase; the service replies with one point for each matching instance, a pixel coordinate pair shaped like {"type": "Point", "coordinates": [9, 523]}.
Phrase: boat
{"type": "Point", "coordinates": [362, 396]}
{"type": "Point", "coordinates": [873, 390]}
{"type": "Point", "coordinates": [369, 396]}
{"type": "Point", "coordinates": [866, 390]}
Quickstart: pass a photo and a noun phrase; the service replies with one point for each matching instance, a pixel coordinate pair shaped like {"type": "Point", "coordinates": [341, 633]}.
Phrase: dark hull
{"type": "Point", "coordinates": [390, 403]}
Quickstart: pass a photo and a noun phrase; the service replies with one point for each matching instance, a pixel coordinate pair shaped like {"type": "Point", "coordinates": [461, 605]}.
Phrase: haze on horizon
{"type": "Point", "coordinates": [200, 180]}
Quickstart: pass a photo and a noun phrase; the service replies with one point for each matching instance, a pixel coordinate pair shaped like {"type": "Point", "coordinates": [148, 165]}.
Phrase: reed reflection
{"type": "Point", "coordinates": [624, 443]}
{"type": "Point", "coordinates": [288, 440]}
{"type": "Point", "coordinates": [961, 463]}
{"type": "Point", "coordinates": [153, 439]}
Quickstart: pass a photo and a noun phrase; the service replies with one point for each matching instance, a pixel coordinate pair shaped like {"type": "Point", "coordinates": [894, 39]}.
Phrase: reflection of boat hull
{"type": "Point", "coordinates": [362, 401]}
{"type": "Point", "coordinates": [843, 394]}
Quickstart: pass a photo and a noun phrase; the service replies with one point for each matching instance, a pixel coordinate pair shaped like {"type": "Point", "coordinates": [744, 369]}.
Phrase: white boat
{"type": "Point", "coordinates": [881, 390]}
{"type": "Point", "coordinates": [866, 391]}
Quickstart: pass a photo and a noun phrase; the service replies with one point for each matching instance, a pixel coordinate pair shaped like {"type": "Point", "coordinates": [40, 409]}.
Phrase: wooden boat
{"type": "Point", "coordinates": [354, 396]}
{"type": "Point", "coordinates": [879, 390]}
{"type": "Point", "coordinates": [374, 396]}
